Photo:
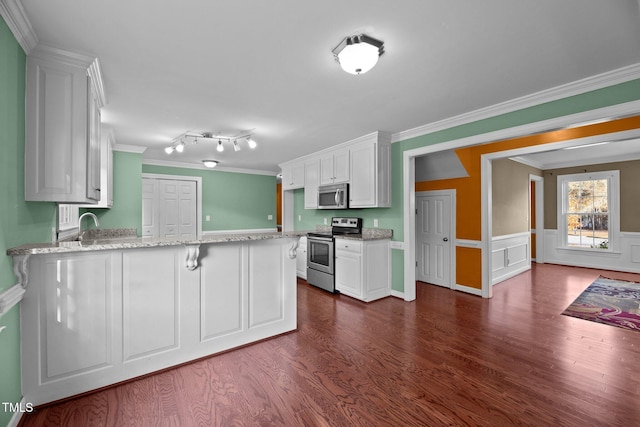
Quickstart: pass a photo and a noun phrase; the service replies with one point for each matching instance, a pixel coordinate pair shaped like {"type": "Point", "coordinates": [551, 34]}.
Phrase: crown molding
{"type": "Point", "coordinates": [185, 165]}
{"type": "Point", "coordinates": [378, 135]}
{"type": "Point", "coordinates": [16, 18]}
{"type": "Point", "coordinates": [610, 78]}
{"type": "Point", "coordinates": [97, 83]}
{"type": "Point", "coordinates": [129, 148]}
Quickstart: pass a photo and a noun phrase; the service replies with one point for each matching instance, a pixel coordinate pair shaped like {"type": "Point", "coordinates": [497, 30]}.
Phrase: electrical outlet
{"type": "Point", "coordinates": [207, 218]}
{"type": "Point", "coordinates": [375, 222]}
{"type": "Point", "coordinates": [299, 218]}
{"type": "Point", "coordinates": [325, 221]}
{"type": "Point", "coordinates": [270, 217]}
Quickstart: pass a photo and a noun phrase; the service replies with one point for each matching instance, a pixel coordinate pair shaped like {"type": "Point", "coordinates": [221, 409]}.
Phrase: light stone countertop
{"type": "Point", "coordinates": [102, 243]}
{"type": "Point", "coordinates": [114, 239]}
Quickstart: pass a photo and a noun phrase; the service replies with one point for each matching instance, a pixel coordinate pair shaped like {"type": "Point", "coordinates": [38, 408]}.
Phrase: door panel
{"type": "Point", "coordinates": [433, 240]}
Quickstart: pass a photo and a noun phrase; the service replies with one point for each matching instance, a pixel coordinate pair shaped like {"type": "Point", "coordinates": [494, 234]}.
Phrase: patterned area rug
{"type": "Point", "coordinates": [609, 301]}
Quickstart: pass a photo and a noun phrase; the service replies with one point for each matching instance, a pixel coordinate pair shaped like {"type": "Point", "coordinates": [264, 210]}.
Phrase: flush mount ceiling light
{"type": "Point", "coordinates": [178, 143]}
{"type": "Point", "coordinates": [358, 54]}
{"type": "Point", "coordinates": [210, 163]}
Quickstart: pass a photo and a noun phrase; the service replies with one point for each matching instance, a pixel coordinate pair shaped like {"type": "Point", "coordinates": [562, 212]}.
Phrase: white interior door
{"type": "Point", "coordinates": [187, 224]}
{"type": "Point", "coordinates": [149, 207]}
{"type": "Point", "coordinates": [169, 208]}
{"type": "Point", "coordinates": [434, 239]}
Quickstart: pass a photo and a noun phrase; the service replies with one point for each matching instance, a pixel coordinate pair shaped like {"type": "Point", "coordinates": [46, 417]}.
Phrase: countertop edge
{"type": "Point", "coordinates": [144, 242]}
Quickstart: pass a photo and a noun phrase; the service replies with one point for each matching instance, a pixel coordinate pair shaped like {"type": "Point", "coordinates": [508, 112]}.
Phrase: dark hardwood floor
{"type": "Point", "coordinates": [447, 358]}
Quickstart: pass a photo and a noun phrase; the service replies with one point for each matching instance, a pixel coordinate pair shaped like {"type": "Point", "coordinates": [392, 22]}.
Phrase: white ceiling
{"type": "Point", "coordinates": [232, 65]}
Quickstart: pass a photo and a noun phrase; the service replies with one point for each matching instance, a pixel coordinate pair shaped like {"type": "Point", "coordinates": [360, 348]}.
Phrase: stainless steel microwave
{"type": "Point", "coordinates": [334, 196]}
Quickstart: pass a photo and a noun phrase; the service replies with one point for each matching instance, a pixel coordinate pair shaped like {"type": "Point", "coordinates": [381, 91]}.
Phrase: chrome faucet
{"type": "Point", "coordinates": [95, 221]}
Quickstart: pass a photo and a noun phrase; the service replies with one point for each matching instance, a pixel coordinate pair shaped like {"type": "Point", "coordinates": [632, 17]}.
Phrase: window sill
{"type": "Point", "coordinates": [589, 251]}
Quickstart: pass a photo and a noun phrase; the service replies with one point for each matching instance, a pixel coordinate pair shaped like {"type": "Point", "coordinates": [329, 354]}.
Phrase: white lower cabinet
{"type": "Point", "coordinates": [301, 259]}
{"type": "Point", "coordinates": [362, 268]}
{"type": "Point", "coordinates": [94, 319]}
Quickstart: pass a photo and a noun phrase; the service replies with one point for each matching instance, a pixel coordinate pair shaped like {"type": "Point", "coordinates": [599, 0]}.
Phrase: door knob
{"type": "Point", "coordinates": [445, 239]}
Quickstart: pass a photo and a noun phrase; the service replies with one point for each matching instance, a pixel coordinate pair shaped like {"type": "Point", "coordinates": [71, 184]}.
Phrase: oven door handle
{"type": "Point", "coordinates": [321, 239]}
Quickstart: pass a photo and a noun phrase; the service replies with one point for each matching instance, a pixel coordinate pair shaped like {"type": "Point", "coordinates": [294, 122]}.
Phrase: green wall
{"type": "Point", "coordinates": [20, 222]}
{"type": "Point", "coordinates": [234, 201]}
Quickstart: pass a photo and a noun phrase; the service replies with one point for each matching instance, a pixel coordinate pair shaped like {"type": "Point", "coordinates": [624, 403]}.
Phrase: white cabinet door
{"type": "Point", "coordinates": [348, 267]}
{"type": "Point", "coordinates": [62, 129]}
{"type": "Point", "coordinates": [301, 258]}
{"type": "Point", "coordinates": [68, 318]}
{"type": "Point", "coordinates": [293, 176]}
{"type": "Point", "coordinates": [362, 192]}
{"type": "Point", "coordinates": [311, 181]}
{"type": "Point", "coordinates": [370, 173]}
{"type": "Point", "coordinates": [341, 166]}
{"type": "Point", "coordinates": [93, 162]}
{"type": "Point", "coordinates": [107, 142]}
{"type": "Point", "coordinates": [362, 268]}
{"type": "Point", "coordinates": [334, 167]}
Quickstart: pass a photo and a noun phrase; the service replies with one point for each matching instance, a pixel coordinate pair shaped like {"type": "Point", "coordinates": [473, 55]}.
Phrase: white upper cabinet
{"type": "Point", "coordinates": [105, 184]}
{"type": "Point", "coordinates": [293, 176]}
{"type": "Point", "coordinates": [311, 181]}
{"type": "Point", "coordinates": [334, 167]}
{"type": "Point", "coordinates": [62, 137]}
{"type": "Point", "coordinates": [370, 172]}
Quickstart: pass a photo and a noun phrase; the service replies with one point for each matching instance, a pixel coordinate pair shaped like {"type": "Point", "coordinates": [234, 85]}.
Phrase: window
{"type": "Point", "coordinates": [588, 210]}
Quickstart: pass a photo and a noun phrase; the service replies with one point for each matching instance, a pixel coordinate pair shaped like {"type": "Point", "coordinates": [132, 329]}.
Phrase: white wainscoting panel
{"type": "Point", "coordinates": [222, 298]}
{"type": "Point", "coordinates": [628, 259]}
{"type": "Point", "coordinates": [510, 256]}
{"type": "Point", "coordinates": [150, 302]}
{"type": "Point", "coordinates": [265, 285]}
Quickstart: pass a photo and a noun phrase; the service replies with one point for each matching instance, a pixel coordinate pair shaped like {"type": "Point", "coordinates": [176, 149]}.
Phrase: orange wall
{"type": "Point", "coordinates": [279, 204]}
{"type": "Point", "coordinates": [468, 189]}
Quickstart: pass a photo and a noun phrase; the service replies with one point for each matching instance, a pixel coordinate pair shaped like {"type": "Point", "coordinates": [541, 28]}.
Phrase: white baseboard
{"type": "Point", "coordinates": [467, 289]}
{"type": "Point", "coordinates": [397, 294]}
{"type": "Point", "coordinates": [17, 416]}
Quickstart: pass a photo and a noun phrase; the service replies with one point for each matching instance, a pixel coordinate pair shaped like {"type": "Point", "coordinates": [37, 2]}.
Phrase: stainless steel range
{"type": "Point", "coordinates": [320, 252]}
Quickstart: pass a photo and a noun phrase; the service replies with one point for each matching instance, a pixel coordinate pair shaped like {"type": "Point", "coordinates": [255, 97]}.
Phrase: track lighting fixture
{"type": "Point", "coordinates": [178, 144]}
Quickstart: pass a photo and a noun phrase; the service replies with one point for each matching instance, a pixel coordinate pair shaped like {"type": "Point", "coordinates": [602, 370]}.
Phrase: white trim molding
{"type": "Point", "coordinates": [186, 165]}
{"type": "Point", "coordinates": [627, 259]}
{"type": "Point", "coordinates": [510, 256]}
{"type": "Point", "coordinates": [16, 18]}
{"type": "Point", "coordinates": [10, 297]}
{"type": "Point", "coordinates": [464, 243]}
{"type": "Point", "coordinates": [621, 75]}
{"type": "Point", "coordinates": [129, 148]}
{"type": "Point", "coordinates": [467, 289]}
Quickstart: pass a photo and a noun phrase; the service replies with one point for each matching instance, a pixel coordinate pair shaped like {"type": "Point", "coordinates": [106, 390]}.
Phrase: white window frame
{"type": "Point", "coordinates": [613, 195]}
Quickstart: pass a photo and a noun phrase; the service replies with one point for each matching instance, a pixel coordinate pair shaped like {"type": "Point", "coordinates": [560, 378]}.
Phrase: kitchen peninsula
{"type": "Point", "coordinates": [102, 311]}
